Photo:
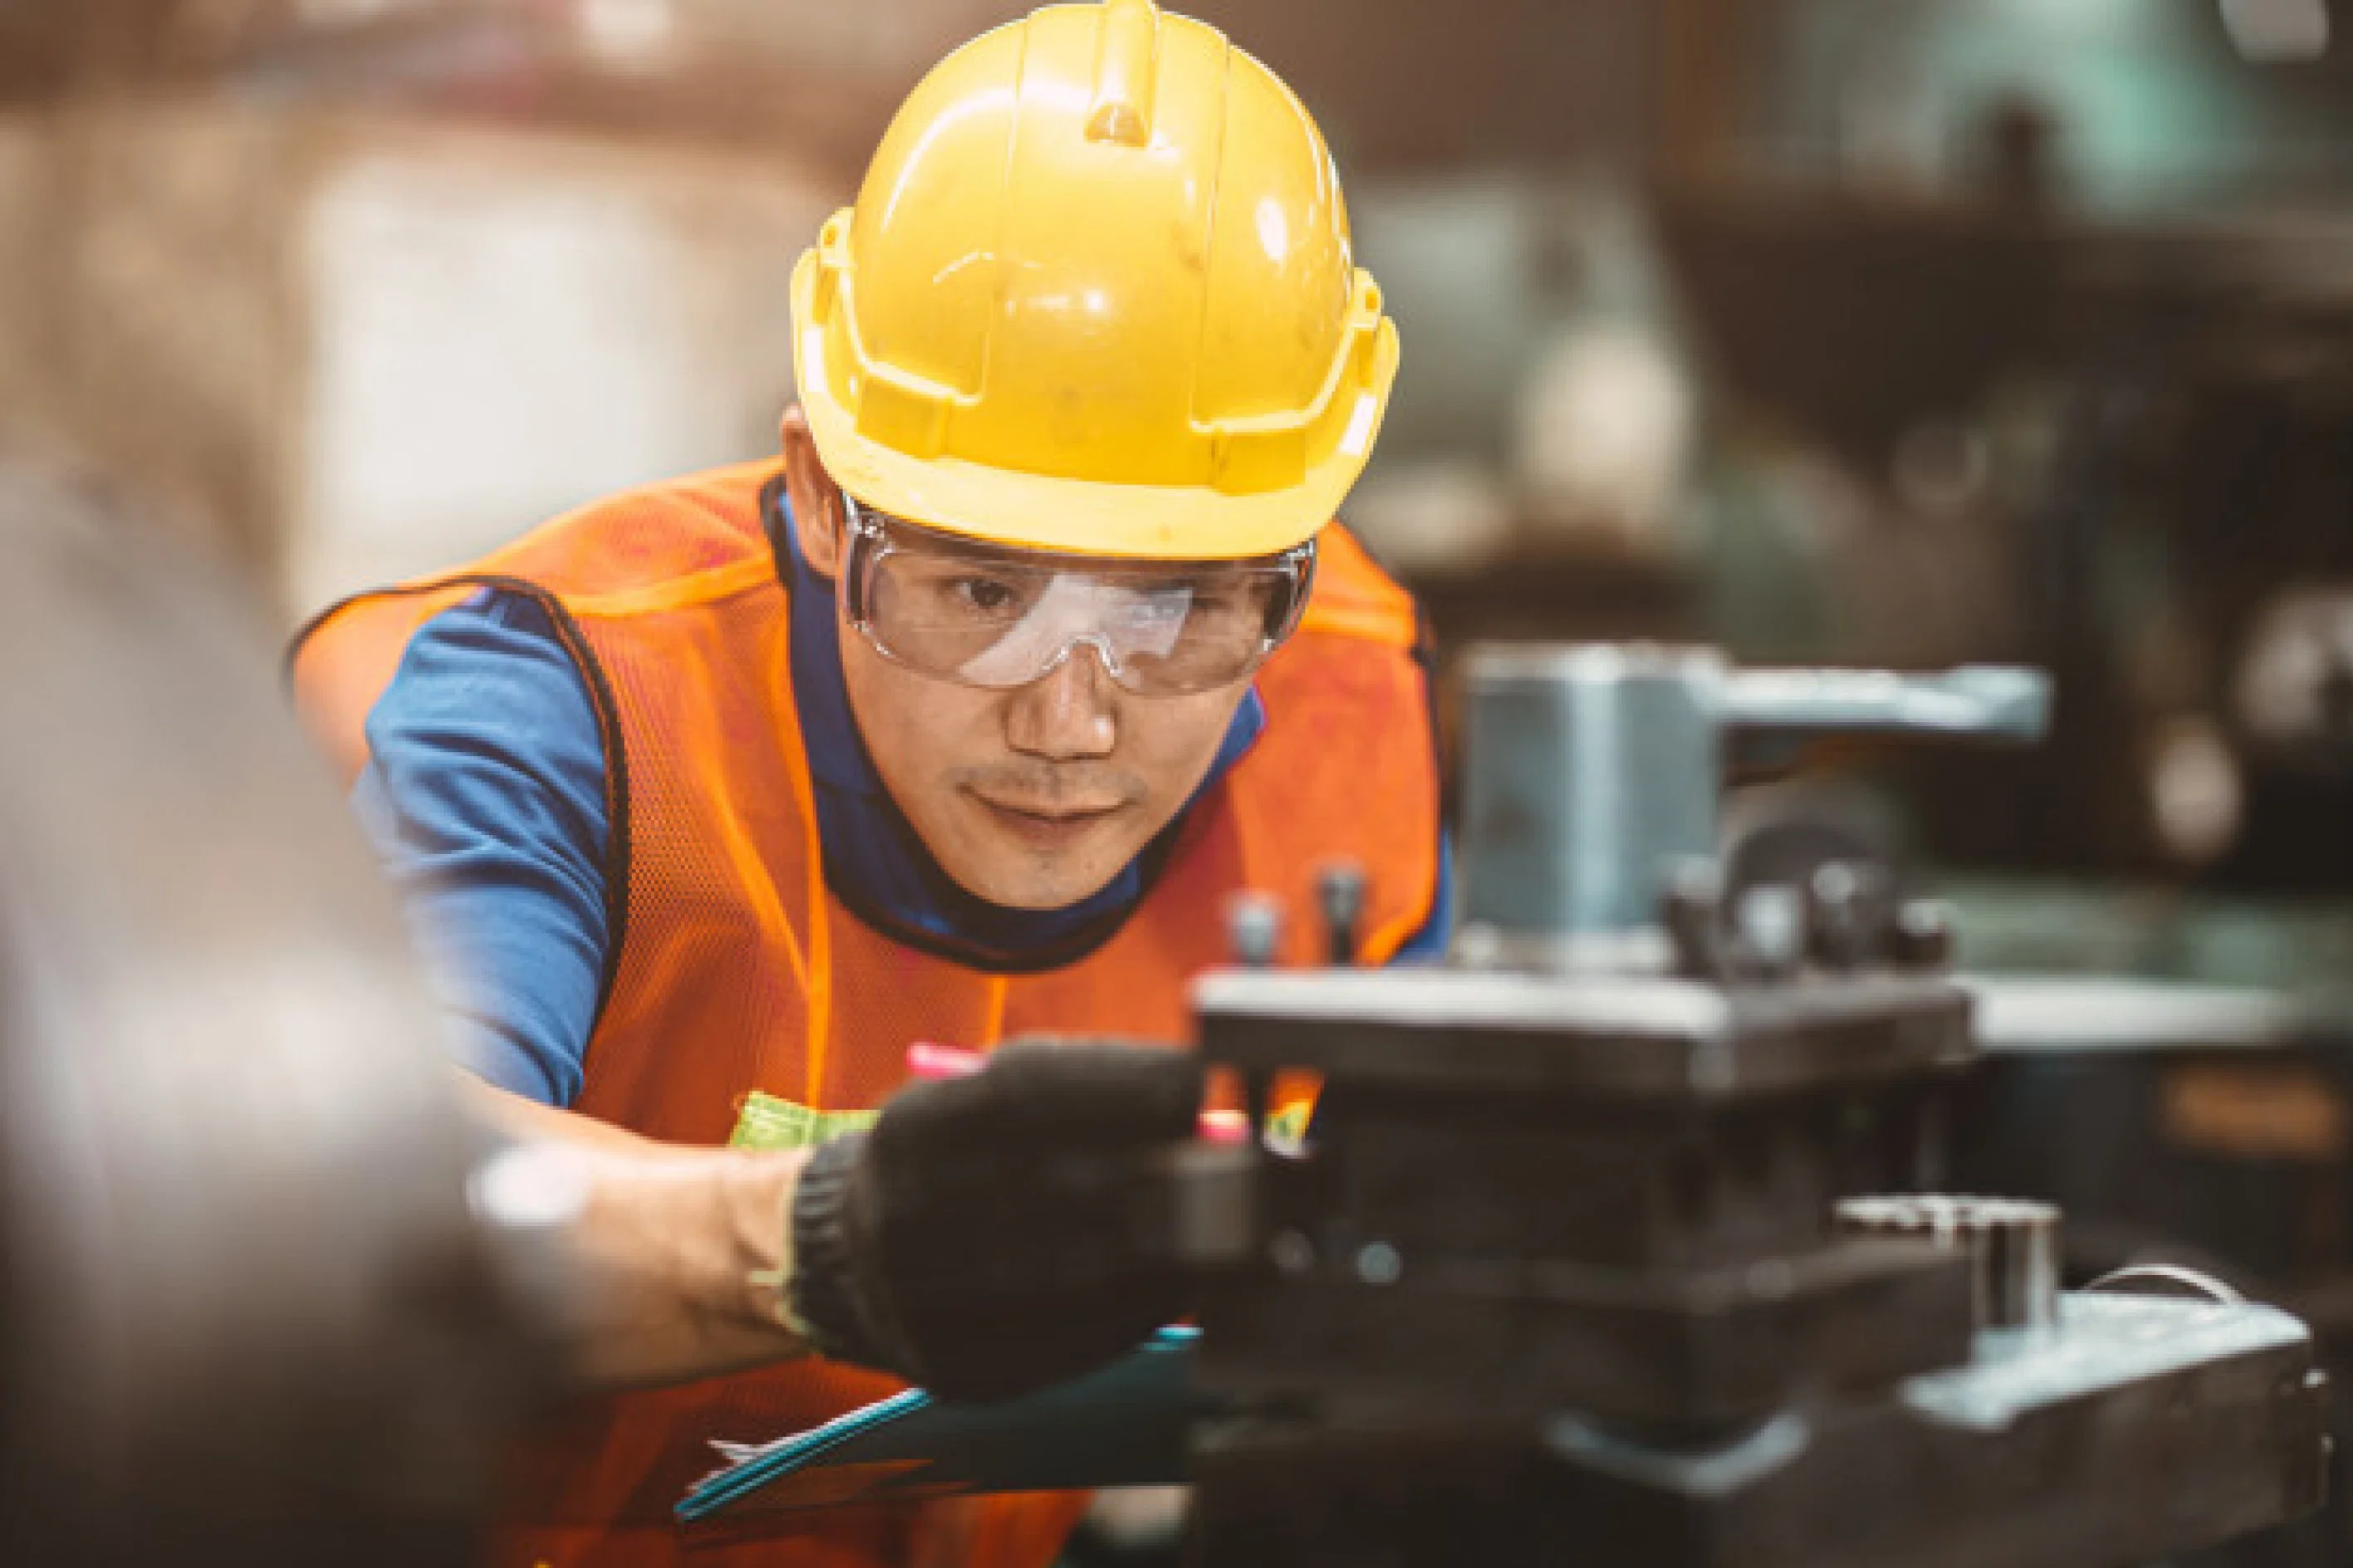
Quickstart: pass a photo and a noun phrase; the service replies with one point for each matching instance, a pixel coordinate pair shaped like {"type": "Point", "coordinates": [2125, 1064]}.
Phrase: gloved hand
{"type": "Point", "coordinates": [994, 1233]}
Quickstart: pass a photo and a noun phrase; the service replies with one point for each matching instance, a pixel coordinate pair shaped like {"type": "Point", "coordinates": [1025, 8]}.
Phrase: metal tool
{"type": "Point", "coordinates": [2012, 1245]}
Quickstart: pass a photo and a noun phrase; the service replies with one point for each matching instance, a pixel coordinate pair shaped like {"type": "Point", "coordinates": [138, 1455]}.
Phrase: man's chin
{"type": "Point", "coordinates": [1038, 889]}
{"type": "Point", "coordinates": [1013, 877]}
{"type": "Point", "coordinates": [1023, 861]}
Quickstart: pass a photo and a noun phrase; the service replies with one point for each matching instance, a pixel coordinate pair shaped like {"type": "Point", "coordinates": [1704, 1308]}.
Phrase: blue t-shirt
{"type": "Point", "coordinates": [484, 795]}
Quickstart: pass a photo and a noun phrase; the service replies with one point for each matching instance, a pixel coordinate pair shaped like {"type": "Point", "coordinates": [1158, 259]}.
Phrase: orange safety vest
{"type": "Point", "coordinates": [734, 969]}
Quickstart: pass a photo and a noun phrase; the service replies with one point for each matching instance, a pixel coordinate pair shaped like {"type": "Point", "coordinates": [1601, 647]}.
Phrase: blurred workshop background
{"type": "Point", "coordinates": [1905, 333]}
{"type": "Point", "coordinates": [1899, 332]}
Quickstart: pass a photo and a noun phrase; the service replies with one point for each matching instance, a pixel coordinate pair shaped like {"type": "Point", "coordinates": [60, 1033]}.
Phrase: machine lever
{"type": "Point", "coordinates": [1989, 703]}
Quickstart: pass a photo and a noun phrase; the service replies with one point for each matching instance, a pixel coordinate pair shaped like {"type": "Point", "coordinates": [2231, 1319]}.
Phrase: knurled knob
{"type": "Point", "coordinates": [1340, 887]}
{"type": "Point", "coordinates": [2012, 1245]}
{"type": "Point", "coordinates": [1254, 929]}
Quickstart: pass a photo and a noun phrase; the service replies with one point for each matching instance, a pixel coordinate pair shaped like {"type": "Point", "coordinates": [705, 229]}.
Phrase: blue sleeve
{"type": "Point", "coordinates": [1428, 945]}
{"type": "Point", "coordinates": [484, 796]}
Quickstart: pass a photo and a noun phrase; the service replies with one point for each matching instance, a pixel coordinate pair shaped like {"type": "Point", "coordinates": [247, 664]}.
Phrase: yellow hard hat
{"type": "Point", "coordinates": [1097, 294]}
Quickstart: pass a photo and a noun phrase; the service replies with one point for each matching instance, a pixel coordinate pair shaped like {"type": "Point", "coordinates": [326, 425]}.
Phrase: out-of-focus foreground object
{"type": "Point", "coordinates": [246, 1315]}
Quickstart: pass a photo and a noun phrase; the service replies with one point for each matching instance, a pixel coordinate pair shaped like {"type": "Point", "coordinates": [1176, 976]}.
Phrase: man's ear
{"type": "Point", "coordinates": [816, 500]}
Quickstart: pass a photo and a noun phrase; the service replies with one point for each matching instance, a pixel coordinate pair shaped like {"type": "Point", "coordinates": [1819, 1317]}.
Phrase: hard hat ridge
{"type": "Point", "coordinates": [1125, 63]}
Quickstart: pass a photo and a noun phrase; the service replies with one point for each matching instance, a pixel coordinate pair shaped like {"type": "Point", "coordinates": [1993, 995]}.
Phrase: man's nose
{"type": "Point", "coordinates": [1068, 715]}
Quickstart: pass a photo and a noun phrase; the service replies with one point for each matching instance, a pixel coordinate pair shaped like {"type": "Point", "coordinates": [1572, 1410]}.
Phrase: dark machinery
{"type": "Point", "coordinates": [1565, 1273]}
{"type": "Point", "coordinates": [2192, 1124]}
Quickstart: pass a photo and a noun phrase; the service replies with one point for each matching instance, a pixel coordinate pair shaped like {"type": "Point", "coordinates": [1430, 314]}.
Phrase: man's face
{"type": "Point", "coordinates": [1031, 798]}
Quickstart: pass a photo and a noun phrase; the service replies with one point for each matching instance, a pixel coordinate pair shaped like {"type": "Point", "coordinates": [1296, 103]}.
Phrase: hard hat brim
{"type": "Point", "coordinates": [1042, 511]}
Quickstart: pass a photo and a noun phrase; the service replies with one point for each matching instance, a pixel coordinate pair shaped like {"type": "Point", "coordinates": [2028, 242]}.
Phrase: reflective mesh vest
{"type": "Point", "coordinates": [731, 968]}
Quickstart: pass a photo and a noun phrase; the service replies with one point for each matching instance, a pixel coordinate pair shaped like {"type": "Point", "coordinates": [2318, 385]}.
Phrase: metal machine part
{"type": "Point", "coordinates": [2012, 1245]}
{"type": "Point", "coordinates": [1686, 1141]}
{"type": "Point", "coordinates": [2134, 1428]}
{"type": "Point", "coordinates": [1561, 1274]}
{"type": "Point", "coordinates": [2165, 1280]}
{"type": "Point", "coordinates": [1340, 901]}
{"type": "Point", "coordinates": [246, 1313]}
{"type": "Point", "coordinates": [1592, 772]}
{"type": "Point", "coordinates": [1253, 929]}
{"type": "Point", "coordinates": [2185, 1126]}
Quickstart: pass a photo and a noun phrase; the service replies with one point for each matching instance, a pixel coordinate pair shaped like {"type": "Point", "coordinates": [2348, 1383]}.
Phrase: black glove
{"type": "Point", "coordinates": [997, 1233]}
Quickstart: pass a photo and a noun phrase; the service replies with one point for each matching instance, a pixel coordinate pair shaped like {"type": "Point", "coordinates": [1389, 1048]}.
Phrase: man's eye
{"type": "Point", "coordinates": [983, 594]}
{"type": "Point", "coordinates": [1226, 598]}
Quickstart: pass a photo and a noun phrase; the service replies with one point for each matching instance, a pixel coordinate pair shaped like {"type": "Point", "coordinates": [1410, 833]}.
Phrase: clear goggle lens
{"type": "Point", "coordinates": [998, 617]}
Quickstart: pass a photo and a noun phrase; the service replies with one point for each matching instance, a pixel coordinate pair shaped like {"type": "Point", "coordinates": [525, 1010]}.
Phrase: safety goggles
{"type": "Point", "coordinates": [994, 617]}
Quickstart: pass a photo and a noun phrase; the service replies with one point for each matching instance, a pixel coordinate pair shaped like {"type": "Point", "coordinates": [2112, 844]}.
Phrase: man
{"type": "Point", "coordinates": [962, 721]}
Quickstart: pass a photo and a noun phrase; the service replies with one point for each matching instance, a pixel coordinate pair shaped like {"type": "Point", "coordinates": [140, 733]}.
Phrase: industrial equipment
{"type": "Point", "coordinates": [1572, 1268]}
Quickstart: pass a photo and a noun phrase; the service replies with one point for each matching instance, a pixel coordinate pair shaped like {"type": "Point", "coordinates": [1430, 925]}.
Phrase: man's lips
{"type": "Point", "coordinates": [1042, 824]}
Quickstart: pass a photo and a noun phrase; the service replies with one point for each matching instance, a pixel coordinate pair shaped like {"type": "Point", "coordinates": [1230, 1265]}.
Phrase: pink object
{"type": "Point", "coordinates": [1224, 1126]}
{"type": "Point", "coordinates": [932, 1062]}
{"type": "Point", "coordinates": [928, 1061]}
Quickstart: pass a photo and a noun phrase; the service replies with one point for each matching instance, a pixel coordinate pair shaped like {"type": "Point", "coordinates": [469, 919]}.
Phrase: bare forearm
{"type": "Point", "coordinates": [680, 1251]}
